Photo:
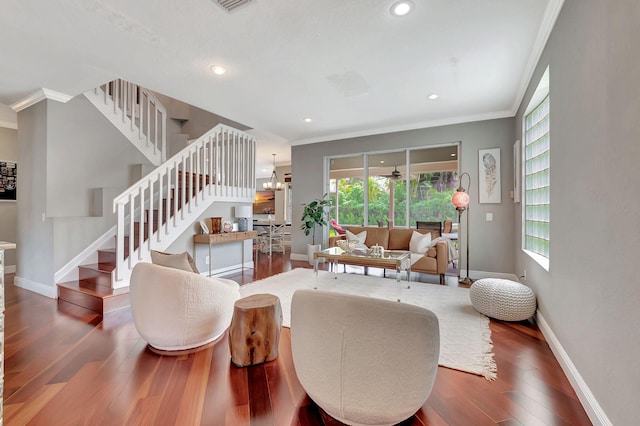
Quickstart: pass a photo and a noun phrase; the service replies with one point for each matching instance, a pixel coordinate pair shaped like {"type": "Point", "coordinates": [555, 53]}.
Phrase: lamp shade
{"type": "Point", "coordinates": [460, 199]}
{"type": "Point", "coordinates": [244, 211]}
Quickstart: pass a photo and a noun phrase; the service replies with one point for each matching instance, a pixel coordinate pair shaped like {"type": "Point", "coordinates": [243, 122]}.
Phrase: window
{"type": "Point", "coordinates": [391, 196]}
{"type": "Point", "coordinates": [537, 181]}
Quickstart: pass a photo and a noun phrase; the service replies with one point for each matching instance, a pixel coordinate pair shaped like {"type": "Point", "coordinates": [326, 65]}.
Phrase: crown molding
{"type": "Point", "coordinates": [9, 124]}
{"type": "Point", "coordinates": [544, 32]}
{"type": "Point", "coordinates": [402, 128]}
{"type": "Point", "coordinates": [40, 95]}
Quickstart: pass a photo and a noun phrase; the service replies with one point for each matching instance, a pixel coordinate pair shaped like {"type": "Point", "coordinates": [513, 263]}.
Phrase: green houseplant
{"type": "Point", "coordinates": [314, 214]}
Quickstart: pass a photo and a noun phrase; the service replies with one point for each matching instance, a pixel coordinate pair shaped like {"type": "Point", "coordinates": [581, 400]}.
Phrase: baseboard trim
{"type": "Point", "coordinates": [477, 275]}
{"type": "Point", "coordinates": [227, 269]}
{"type": "Point", "coordinates": [36, 287]}
{"type": "Point", "coordinates": [10, 269]}
{"type": "Point", "coordinates": [592, 407]}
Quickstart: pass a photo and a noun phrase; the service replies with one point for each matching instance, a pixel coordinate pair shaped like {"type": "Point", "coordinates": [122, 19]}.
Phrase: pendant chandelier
{"type": "Point", "coordinates": [273, 183]}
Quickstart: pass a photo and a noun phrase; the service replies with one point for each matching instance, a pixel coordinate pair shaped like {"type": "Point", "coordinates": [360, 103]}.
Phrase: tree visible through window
{"type": "Point", "coordinates": [537, 180]}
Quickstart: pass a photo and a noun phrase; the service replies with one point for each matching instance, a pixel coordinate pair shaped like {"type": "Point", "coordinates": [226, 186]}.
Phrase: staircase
{"type": "Point", "coordinates": [155, 211]}
{"type": "Point", "coordinates": [136, 113]}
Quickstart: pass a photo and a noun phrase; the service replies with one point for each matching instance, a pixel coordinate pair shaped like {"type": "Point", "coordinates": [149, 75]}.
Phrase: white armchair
{"type": "Point", "coordinates": [364, 361]}
{"type": "Point", "coordinates": [178, 311]}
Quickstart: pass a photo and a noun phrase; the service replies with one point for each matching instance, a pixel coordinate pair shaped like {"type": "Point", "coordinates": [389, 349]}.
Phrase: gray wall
{"type": "Point", "coordinates": [223, 256]}
{"type": "Point", "coordinates": [189, 122]}
{"type": "Point", "coordinates": [590, 295]}
{"type": "Point", "coordinates": [307, 175]}
{"type": "Point", "coordinates": [34, 236]}
{"type": "Point", "coordinates": [84, 151]}
{"type": "Point", "coordinates": [8, 209]}
{"type": "Point", "coordinates": [66, 151]}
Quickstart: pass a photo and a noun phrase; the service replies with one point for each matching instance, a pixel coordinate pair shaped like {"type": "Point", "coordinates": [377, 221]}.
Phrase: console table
{"type": "Point", "coordinates": [227, 237]}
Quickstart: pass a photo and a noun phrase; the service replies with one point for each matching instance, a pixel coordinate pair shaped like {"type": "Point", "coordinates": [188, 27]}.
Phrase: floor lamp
{"type": "Point", "coordinates": [460, 201]}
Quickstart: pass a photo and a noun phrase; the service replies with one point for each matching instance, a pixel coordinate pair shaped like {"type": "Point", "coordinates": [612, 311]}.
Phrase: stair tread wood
{"type": "Point", "coordinates": [101, 267]}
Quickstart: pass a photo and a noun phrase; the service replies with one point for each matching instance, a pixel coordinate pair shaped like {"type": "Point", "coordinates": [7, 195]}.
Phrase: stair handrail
{"type": "Point", "coordinates": [219, 165]}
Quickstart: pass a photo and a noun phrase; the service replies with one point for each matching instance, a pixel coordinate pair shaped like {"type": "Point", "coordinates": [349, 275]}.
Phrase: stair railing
{"type": "Point", "coordinates": [137, 113]}
{"type": "Point", "coordinates": [151, 214]}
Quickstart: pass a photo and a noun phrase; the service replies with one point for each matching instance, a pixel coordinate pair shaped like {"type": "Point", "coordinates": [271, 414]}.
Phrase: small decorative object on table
{"type": "Point", "coordinates": [227, 226]}
{"type": "Point", "coordinates": [377, 250]}
{"type": "Point", "coordinates": [204, 227]}
{"type": "Point", "coordinates": [216, 225]}
{"type": "Point", "coordinates": [347, 245]}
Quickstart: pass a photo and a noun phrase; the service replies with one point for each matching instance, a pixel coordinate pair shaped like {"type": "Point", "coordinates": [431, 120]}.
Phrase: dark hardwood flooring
{"type": "Point", "coordinates": [68, 366]}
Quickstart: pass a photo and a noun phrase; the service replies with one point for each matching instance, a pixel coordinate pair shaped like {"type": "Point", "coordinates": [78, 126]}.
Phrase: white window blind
{"type": "Point", "coordinates": [537, 180]}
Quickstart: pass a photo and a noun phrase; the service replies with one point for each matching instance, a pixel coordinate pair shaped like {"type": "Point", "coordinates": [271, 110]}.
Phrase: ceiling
{"type": "Point", "coordinates": [350, 66]}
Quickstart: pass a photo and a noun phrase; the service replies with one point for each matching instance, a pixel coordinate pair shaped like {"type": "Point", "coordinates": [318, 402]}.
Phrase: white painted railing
{"type": "Point", "coordinates": [218, 166]}
{"type": "Point", "coordinates": [137, 113]}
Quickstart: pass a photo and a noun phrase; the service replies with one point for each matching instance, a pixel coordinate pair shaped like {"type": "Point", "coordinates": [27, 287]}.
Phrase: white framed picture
{"type": "Point", "coordinates": [489, 190]}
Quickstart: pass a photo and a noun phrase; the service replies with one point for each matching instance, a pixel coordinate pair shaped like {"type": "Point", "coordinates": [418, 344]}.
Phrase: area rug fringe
{"type": "Point", "coordinates": [465, 336]}
{"type": "Point", "coordinates": [490, 368]}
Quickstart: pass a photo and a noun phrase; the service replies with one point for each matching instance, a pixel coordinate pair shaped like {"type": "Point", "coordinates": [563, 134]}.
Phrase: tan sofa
{"type": "Point", "coordinates": [434, 261]}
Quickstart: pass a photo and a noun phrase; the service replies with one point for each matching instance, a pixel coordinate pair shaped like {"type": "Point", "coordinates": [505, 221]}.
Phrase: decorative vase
{"type": "Point", "coordinates": [216, 225]}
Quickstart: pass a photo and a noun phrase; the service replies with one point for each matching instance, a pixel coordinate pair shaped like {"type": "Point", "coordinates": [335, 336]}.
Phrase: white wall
{"type": "Point", "coordinates": [8, 209]}
{"type": "Point", "coordinates": [492, 243]}
{"type": "Point", "coordinates": [590, 296]}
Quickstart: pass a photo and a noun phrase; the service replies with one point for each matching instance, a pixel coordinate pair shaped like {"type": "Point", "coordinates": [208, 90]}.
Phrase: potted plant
{"type": "Point", "coordinates": [314, 214]}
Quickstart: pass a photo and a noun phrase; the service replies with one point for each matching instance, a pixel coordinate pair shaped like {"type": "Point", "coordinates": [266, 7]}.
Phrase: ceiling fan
{"type": "Point", "coordinates": [395, 174]}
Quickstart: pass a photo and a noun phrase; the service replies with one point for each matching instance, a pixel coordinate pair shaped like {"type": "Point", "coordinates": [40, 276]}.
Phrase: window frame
{"type": "Point", "coordinates": [540, 97]}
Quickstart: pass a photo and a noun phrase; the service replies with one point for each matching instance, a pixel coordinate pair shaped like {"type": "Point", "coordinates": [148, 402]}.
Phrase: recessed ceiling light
{"type": "Point", "coordinates": [453, 154]}
{"type": "Point", "coordinates": [218, 69]}
{"type": "Point", "coordinates": [433, 96]}
{"type": "Point", "coordinates": [381, 161]}
{"type": "Point", "coordinates": [401, 8]}
{"type": "Point", "coordinates": [307, 120]}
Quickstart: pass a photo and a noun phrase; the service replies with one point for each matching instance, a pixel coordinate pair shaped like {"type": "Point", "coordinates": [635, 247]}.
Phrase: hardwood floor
{"type": "Point", "coordinates": [66, 366]}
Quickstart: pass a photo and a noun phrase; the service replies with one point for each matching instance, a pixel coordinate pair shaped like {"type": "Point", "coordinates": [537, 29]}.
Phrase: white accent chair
{"type": "Point", "coordinates": [177, 311]}
{"type": "Point", "coordinates": [364, 361]}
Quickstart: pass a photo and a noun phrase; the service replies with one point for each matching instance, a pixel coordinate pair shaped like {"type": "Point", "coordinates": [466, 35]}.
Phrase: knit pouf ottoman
{"type": "Point", "coordinates": [505, 300]}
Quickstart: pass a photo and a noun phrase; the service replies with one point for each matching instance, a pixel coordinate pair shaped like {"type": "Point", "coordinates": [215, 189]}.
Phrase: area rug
{"type": "Point", "coordinates": [465, 337]}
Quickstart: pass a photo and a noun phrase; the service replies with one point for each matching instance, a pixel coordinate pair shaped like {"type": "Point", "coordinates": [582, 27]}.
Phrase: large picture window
{"type": "Point", "coordinates": [394, 188]}
{"type": "Point", "coordinates": [537, 181]}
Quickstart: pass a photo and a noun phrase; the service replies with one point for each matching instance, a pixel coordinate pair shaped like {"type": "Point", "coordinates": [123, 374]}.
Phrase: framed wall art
{"type": "Point", "coordinates": [8, 180]}
{"type": "Point", "coordinates": [489, 190]}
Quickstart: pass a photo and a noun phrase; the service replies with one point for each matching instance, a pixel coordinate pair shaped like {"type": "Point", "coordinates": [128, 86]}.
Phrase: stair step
{"type": "Point", "coordinates": [97, 273]}
{"type": "Point", "coordinates": [94, 297]}
{"type": "Point", "coordinates": [107, 256]}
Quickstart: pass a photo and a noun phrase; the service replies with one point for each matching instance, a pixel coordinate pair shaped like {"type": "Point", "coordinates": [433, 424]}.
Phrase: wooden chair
{"type": "Point", "coordinates": [446, 229]}
{"type": "Point", "coordinates": [432, 226]}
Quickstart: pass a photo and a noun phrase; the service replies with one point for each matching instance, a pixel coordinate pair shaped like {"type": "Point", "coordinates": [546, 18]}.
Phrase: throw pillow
{"type": "Point", "coordinates": [419, 242]}
{"type": "Point", "coordinates": [361, 238]}
{"type": "Point", "coordinates": [182, 261]}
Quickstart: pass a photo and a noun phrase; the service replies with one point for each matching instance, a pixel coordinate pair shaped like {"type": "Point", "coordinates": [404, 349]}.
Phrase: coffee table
{"type": "Point", "coordinates": [391, 259]}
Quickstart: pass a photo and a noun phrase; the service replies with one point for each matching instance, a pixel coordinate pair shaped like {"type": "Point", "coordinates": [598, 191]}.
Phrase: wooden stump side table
{"type": "Point", "coordinates": [254, 333]}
